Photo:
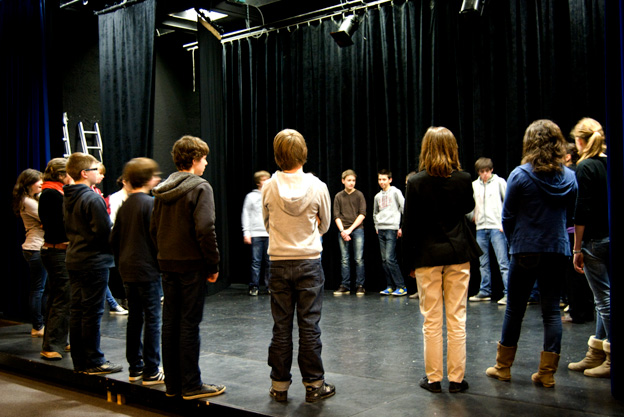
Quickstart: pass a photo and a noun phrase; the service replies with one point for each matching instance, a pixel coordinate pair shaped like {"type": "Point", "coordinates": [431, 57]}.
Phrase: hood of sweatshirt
{"type": "Point", "coordinates": [73, 193]}
{"type": "Point", "coordinates": [176, 186]}
{"type": "Point", "coordinates": [552, 185]}
{"type": "Point", "coordinates": [294, 191]}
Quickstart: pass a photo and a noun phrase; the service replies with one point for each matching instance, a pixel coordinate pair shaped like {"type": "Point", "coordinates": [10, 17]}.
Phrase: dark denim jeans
{"type": "Point", "coordinates": [499, 243]}
{"type": "Point", "coordinates": [56, 335]}
{"type": "Point", "coordinates": [87, 307]}
{"type": "Point", "coordinates": [259, 260]}
{"type": "Point", "coordinates": [185, 294]}
{"type": "Point", "coordinates": [549, 271]}
{"type": "Point", "coordinates": [357, 241]}
{"type": "Point", "coordinates": [37, 299]}
{"type": "Point", "coordinates": [296, 286]}
{"type": "Point", "coordinates": [143, 308]}
{"type": "Point", "coordinates": [596, 258]}
{"type": "Point", "coordinates": [387, 247]}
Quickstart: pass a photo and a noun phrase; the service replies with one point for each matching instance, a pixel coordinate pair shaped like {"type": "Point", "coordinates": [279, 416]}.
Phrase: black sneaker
{"type": "Point", "coordinates": [253, 291]}
{"type": "Point", "coordinates": [157, 378]}
{"type": "Point", "coordinates": [105, 368]}
{"type": "Point", "coordinates": [279, 396]}
{"type": "Point", "coordinates": [458, 386]}
{"type": "Point", "coordinates": [205, 390]}
{"type": "Point", "coordinates": [324, 391]}
{"type": "Point", "coordinates": [135, 375]}
{"type": "Point", "coordinates": [430, 386]}
{"type": "Point", "coordinates": [360, 290]}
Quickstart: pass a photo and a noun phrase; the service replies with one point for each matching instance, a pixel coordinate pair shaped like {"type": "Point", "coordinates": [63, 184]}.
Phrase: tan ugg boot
{"type": "Point", "coordinates": [504, 359]}
{"type": "Point", "coordinates": [594, 357]}
{"type": "Point", "coordinates": [604, 369]}
{"type": "Point", "coordinates": [545, 375]}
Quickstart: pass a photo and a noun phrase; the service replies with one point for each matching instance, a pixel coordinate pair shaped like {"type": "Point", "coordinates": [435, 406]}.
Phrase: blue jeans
{"type": "Point", "coordinates": [296, 285]}
{"type": "Point", "coordinates": [185, 294]}
{"type": "Point", "coordinates": [357, 239]}
{"type": "Point", "coordinates": [259, 259]}
{"type": "Point", "coordinates": [387, 247]}
{"type": "Point", "coordinates": [143, 307]}
{"type": "Point", "coordinates": [87, 307]}
{"type": "Point", "coordinates": [37, 299]}
{"type": "Point", "coordinates": [549, 271]}
{"type": "Point", "coordinates": [499, 243]}
{"type": "Point", "coordinates": [596, 258]}
{"type": "Point", "coordinates": [56, 335]}
{"type": "Point", "coordinates": [112, 303]}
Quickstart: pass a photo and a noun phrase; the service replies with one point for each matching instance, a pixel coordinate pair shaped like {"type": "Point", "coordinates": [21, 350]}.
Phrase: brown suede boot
{"type": "Point", "coordinates": [604, 369]}
{"type": "Point", "coordinates": [504, 359]}
{"type": "Point", "coordinates": [545, 375]}
{"type": "Point", "coordinates": [594, 357]}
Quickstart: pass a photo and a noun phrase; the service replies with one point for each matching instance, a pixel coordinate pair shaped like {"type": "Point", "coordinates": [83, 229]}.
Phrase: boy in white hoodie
{"type": "Point", "coordinates": [296, 210]}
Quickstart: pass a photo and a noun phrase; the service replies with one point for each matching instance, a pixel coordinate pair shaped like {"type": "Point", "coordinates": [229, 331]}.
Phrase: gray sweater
{"type": "Point", "coordinates": [296, 210]}
{"type": "Point", "coordinates": [387, 209]}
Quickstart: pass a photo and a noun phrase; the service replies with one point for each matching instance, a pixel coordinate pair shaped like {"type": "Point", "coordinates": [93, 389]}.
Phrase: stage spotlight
{"type": "Point", "coordinates": [472, 6]}
{"type": "Point", "coordinates": [347, 28]}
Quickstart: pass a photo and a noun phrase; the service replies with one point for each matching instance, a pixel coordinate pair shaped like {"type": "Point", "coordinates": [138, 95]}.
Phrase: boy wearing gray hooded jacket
{"type": "Point", "coordinates": [296, 210]}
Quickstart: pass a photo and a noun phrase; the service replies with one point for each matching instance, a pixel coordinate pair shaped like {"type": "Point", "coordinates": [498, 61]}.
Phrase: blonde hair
{"type": "Point", "coordinates": [591, 132]}
{"type": "Point", "coordinates": [439, 154]}
{"type": "Point", "coordinates": [259, 175]}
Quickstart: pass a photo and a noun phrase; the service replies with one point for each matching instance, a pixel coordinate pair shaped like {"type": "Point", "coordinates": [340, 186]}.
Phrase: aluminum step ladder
{"type": "Point", "coordinates": [95, 140]}
{"type": "Point", "coordinates": [66, 137]}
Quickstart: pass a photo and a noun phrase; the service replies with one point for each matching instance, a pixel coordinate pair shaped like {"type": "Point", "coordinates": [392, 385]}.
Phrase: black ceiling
{"type": "Point", "coordinates": [241, 13]}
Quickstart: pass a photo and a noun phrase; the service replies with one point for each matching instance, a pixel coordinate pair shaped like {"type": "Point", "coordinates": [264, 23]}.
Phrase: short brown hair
{"type": "Point", "coordinates": [290, 149]}
{"type": "Point", "coordinates": [258, 176]}
{"type": "Point", "coordinates": [55, 169]}
{"type": "Point", "coordinates": [348, 172]}
{"type": "Point", "coordinates": [140, 171]}
{"type": "Point", "coordinates": [385, 172]}
{"type": "Point", "coordinates": [78, 162]}
{"type": "Point", "coordinates": [188, 149]}
{"type": "Point", "coordinates": [544, 146]}
{"type": "Point", "coordinates": [484, 163]}
{"type": "Point", "coordinates": [439, 154]}
{"type": "Point", "coordinates": [591, 132]}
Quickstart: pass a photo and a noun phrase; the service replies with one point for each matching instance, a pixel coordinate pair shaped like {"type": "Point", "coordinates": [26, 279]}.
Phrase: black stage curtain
{"type": "Point", "coordinates": [615, 150]}
{"type": "Point", "coordinates": [24, 130]}
{"type": "Point", "coordinates": [126, 38]}
{"type": "Point", "coordinates": [414, 64]}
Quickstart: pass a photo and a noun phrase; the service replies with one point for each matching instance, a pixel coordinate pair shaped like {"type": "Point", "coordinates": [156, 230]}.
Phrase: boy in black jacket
{"type": "Point", "coordinates": [88, 259]}
{"type": "Point", "coordinates": [183, 228]}
{"type": "Point", "coordinates": [135, 257]}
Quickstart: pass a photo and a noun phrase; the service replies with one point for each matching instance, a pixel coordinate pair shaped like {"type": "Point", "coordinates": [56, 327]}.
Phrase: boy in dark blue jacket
{"type": "Point", "coordinates": [88, 259]}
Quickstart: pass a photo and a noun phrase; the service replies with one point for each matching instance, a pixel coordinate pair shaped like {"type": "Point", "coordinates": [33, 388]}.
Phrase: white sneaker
{"type": "Point", "coordinates": [119, 311]}
{"type": "Point", "coordinates": [502, 301]}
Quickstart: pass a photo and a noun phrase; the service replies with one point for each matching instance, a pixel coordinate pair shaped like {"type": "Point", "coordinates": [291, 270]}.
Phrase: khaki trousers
{"type": "Point", "coordinates": [443, 287]}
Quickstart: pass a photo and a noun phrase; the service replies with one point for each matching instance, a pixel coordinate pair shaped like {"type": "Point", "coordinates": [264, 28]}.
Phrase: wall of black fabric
{"type": "Point", "coordinates": [414, 64]}
{"type": "Point", "coordinates": [127, 84]}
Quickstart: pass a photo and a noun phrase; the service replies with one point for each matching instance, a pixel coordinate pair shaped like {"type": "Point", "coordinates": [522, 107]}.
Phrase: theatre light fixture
{"type": "Point", "coordinates": [472, 6]}
{"type": "Point", "coordinates": [347, 28]}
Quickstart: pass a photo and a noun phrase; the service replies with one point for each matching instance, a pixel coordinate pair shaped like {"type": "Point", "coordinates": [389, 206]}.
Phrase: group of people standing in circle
{"type": "Point", "coordinates": [539, 195]}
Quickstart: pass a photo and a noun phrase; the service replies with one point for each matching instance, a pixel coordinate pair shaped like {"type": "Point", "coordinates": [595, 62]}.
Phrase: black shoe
{"type": "Point", "coordinates": [324, 391]}
{"type": "Point", "coordinates": [105, 368]}
{"type": "Point", "coordinates": [253, 291]}
{"type": "Point", "coordinates": [279, 396]}
{"type": "Point", "coordinates": [205, 390]}
{"type": "Point", "coordinates": [458, 386]}
{"type": "Point", "coordinates": [135, 375]}
{"type": "Point", "coordinates": [430, 386]}
{"type": "Point", "coordinates": [342, 290]}
{"type": "Point", "coordinates": [360, 290]}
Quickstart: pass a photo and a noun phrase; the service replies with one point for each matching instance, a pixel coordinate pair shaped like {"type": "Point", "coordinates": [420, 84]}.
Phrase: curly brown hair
{"type": "Point", "coordinates": [544, 146]}
{"type": "Point", "coordinates": [188, 149]}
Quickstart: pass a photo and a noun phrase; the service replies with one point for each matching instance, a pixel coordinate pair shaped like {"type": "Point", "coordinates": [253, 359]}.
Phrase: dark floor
{"type": "Point", "coordinates": [372, 353]}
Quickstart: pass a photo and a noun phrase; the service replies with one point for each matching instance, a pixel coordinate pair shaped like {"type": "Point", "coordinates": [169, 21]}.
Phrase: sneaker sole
{"type": "Point", "coordinates": [203, 395]}
{"type": "Point", "coordinates": [156, 382]}
{"type": "Point", "coordinates": [135, 378]}
{"type": "Point", "coordinates": [479, 299]}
